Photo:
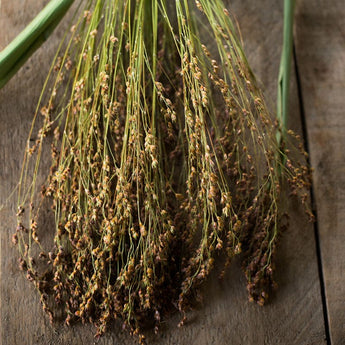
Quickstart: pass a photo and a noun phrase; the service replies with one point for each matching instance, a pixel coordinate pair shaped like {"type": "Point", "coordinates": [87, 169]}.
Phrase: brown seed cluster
{"type": "Point", "coordinates": [164, 161]}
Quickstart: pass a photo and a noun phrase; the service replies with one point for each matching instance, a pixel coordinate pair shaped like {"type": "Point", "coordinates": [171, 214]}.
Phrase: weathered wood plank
{"type": "Point", "coordinates": [320, 47]}
{"type": "Point", "coordinates": [294, 315]}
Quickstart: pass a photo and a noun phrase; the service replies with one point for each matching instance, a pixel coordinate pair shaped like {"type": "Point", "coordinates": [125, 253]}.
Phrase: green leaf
{"type": "Point", "coordinates": [285, 68]}
{"type": "Point", "coordinates": [31, 38]}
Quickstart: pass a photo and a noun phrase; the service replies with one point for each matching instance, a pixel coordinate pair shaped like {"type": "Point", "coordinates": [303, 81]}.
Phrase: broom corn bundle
{"type": "Point", "coordinates": [164, 162]}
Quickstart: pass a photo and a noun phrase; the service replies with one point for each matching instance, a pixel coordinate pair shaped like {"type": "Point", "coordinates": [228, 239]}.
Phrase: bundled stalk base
{"type": "Point", "coordinates": [164, 160]}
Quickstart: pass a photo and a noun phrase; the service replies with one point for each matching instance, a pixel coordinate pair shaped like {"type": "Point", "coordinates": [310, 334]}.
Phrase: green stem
{"type": "Point", "coordinates": [31, 38]}
{"type": "Point", "coordinates": [285, 68]}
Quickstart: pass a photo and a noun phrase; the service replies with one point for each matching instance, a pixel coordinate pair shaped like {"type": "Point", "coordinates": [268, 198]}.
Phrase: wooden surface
{"type": "Point", "coordinates": [295, 312]}
{"type": "Point", "coordinates": [320, 48]}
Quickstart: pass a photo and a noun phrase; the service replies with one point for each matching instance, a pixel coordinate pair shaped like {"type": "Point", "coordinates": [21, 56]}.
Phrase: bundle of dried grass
{"type": "Point", "coordinates": [165, 160]}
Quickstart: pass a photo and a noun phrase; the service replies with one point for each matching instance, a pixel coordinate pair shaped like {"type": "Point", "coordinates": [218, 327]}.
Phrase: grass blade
{"type": "Point", "coordinates": [24, 45]}
{"type": "Point", "coordinates": [285, 68]}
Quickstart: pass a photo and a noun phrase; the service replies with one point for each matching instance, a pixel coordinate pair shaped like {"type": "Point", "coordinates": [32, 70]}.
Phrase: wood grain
{"type": "Point", "coordinates": [320, 48]}
{"type": "Point", "coordinates": [294, 315]}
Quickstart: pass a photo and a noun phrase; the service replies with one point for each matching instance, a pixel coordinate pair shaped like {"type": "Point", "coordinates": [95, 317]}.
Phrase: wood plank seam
{"type": "Point", "coordinates": [312, 201]}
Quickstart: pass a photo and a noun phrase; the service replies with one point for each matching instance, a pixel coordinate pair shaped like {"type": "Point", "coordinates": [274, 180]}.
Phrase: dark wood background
{"type": "Point", "coordinates": [309, 305]}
